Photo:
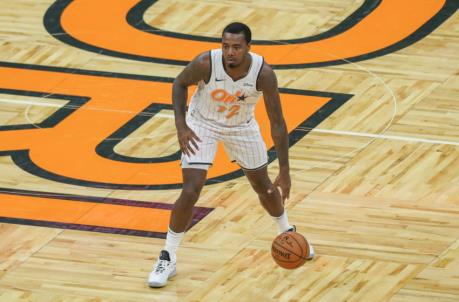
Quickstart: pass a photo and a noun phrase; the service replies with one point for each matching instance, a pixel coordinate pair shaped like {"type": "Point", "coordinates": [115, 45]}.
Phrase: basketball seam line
{"type": "Point", "coordinates": [275, 243]}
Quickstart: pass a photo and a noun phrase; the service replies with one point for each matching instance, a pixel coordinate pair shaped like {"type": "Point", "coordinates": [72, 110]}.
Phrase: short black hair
{"type": "Point", "coordinates": [237, 28]}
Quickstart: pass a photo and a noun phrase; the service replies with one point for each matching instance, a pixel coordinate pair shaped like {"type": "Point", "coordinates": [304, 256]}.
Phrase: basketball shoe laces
{"type": "Point", "coordinates": [161, 266]}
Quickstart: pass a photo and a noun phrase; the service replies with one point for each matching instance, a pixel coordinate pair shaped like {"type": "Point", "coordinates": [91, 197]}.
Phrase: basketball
{"type": "Point", "coordinates": [290, 250]}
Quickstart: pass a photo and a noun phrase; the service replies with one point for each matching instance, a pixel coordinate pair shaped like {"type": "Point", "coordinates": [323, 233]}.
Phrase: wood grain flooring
{"type": "Point", "coordinates": [382, 212]}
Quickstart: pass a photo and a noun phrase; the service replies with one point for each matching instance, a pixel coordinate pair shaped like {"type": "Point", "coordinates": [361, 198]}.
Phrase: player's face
{"type": "Point", "coordinates": [235, 49]}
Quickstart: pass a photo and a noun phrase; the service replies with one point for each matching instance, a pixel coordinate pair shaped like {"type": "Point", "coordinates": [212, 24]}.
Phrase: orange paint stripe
{"type": "Point", "coordinates": [85, 213]}
{"type": "Point", "coordinates": [391, 22]}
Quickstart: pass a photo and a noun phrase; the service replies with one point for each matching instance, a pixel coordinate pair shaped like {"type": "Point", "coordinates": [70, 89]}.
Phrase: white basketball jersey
{"type": "Point", "coordinates": [225, 102]}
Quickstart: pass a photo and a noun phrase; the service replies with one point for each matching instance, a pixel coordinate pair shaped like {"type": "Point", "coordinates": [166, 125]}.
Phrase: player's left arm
{"type": "Point", "coordinates": [267, 83]}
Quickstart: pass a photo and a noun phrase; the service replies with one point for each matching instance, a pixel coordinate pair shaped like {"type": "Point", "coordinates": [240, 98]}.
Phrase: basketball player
{"type": "Point", "coordinates": [230, 81]}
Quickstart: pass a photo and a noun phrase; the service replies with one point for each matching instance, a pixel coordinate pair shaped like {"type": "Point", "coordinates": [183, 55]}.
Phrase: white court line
{"type": "Point", "coordinates": [43, 104]}
{"type": "Point", "coordinates": [386, 136]}
{"type": "Point", "coordinates": [339, 132]}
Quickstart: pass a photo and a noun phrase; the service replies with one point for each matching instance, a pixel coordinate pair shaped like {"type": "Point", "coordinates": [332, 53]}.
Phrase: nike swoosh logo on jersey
{"type": "Point", "coordinates": [219, 80]}
{"type": "Point", "coordinates": [247, 84]}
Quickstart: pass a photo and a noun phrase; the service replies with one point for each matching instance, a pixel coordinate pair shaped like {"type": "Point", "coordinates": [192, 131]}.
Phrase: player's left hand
{"type": "Point", "coordinates": [283, 181]}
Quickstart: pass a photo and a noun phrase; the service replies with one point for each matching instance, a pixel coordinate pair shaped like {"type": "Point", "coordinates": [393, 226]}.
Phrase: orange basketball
{"type": "Point", "coordinates": [290, 250]}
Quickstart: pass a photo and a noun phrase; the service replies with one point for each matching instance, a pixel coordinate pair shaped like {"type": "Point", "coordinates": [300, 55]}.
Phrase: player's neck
{"type": "Point", "coordinates": [240, 71]}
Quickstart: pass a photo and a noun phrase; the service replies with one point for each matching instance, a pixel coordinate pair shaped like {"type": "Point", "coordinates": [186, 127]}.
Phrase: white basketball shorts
{"type": "Point", "coordinates": [243, 144]}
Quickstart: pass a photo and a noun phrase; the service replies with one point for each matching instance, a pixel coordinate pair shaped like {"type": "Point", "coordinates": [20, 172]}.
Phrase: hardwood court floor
{"type": "Point", "coordinates": [375, 183]}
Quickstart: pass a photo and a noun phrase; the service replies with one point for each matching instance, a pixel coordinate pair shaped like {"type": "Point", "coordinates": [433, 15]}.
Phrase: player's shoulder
{"type": "Point", "coordinates": [200, 66]}
{"type": "Point", "coordinates": [266, 70]}
{"type": "Point", "coordinates": [266, 76]}
{"type": "Point", "coordinates": [202, 61]}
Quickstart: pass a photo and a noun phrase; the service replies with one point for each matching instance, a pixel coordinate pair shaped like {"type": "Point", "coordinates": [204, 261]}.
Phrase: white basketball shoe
{"type": "Point", "coordinates": [311, 248]}
{"type": "Point", "coordinates": [162, 271]}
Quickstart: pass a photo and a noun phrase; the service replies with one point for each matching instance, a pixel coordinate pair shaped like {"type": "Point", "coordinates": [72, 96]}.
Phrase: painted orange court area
{"type": "Point", "coordinates": [110, 31]}
{"type": "Point", "coordinates": [68, 149]}
{"type": "Point", "coordinates": [84, 213]}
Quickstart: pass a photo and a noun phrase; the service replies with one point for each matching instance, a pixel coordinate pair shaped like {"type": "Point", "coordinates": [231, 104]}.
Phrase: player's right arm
{"type": "Point", "coordinates": [195, 71]}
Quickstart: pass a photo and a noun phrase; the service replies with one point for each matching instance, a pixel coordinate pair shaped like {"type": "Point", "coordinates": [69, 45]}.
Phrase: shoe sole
{"type": "Point", "coordinates": [159, 285]}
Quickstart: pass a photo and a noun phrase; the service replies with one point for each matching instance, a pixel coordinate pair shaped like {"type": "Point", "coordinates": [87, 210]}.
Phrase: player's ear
{"type": "Point", "coordinates": [248, 45]}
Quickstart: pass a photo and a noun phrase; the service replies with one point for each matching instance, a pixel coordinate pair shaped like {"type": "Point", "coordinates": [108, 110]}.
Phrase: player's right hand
{"type": "Point", "coordinates": [187, 138]}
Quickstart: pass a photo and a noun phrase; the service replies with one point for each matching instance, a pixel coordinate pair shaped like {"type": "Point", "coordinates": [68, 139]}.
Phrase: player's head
{"type": "Point", "coordinates": [236, 39]}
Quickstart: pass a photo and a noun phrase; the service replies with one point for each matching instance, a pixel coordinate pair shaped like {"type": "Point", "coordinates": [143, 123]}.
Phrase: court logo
{"type": "Point", "coordinates": [376, 28]}
{"type": "Point", "coordinates": [76, 144]}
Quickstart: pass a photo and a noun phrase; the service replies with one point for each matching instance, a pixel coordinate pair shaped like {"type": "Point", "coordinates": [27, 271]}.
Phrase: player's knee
{"type": "Point", "coordinates": [262, 189]}
{"type": "Point", "coordinates": [190, 194]}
